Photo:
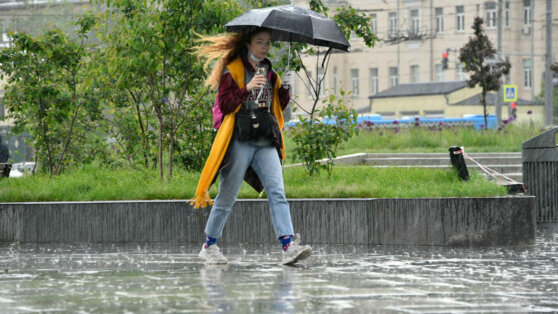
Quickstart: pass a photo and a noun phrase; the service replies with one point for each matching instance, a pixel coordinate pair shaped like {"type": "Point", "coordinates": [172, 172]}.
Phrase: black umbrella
{"type": "Point", "coordinates": [292, 23]}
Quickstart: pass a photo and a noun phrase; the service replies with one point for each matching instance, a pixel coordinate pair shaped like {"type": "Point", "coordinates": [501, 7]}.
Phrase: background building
{"type": "Point", "coordinates": [414, 34]}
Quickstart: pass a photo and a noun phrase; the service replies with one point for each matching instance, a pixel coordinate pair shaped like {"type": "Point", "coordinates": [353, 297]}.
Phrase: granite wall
{"type": "Point", "coordinates": [439, 221]}
{"type": "Point", "coordinates": [540, 173]}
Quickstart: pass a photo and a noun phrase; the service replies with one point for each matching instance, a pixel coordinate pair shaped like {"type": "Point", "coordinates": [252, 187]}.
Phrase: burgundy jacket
{"type": "Point", "coordinates": [230, 95]}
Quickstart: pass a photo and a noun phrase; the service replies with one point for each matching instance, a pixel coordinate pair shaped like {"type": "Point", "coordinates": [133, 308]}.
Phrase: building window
{"type": "Point", "coordinates": [393, 76]}
{"type": "Point", "coordinates": [490, 15]}
{"type": "Point", "coordinates": [322, 81]}
{"type": "Point", "coordinates": [507, 14]}
{"type": "Point", "coordinates": [374, 23]}
{"type": "Point", "coordinates": [527, 73]}
{"type": "Point", "coordinates": [393, 24]}
{"type": "Point", "coordinates": [527, 11]}
{"type": "Point", "coordinates": [354, 35]}
{"type": "Point", "coordinates": [414, 73]}
{"type": "Point", "coordinates": [335, 80]}
{"type": "Point", "coordinates": [373, 81]}
{"type": "Point", "coordinates": [434, 114]}
{"type": "Point", "coordinates": [508, 79]}
{"type": "Point", "coordinates": [439, 20]}
{"type": "Point", "coordinates": [460, 12]}
{"type": "Point", "coordinates": [440, 77]}
{"type": "Point", "coordinates": [354, 80]}
{"type": "Point", "coordinates": [460, 73]}
{"type": "Point", "coordinates": [415, 22]}
{"type": "Point", "coordinates": [409, 114]}
{"type": "Point", "coordinates": [2, 110]}
{"type": "Point", "coordinates": [387, 115]}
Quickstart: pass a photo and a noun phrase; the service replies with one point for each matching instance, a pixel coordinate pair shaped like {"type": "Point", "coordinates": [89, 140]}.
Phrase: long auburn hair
{"type": "Point", "coordinates": [223, 48]}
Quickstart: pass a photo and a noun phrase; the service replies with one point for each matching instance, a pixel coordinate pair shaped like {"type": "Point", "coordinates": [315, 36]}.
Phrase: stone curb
{"type": "Point", "coordinates": [499, 221]}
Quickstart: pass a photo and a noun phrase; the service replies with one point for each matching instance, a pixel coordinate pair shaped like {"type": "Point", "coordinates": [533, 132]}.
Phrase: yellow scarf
{"type": "Point", "coordinates": [224, 135]}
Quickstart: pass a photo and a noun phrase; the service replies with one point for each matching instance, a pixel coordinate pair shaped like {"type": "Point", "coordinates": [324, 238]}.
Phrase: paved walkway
{"type": "Point", "coordinates": [163, 278]}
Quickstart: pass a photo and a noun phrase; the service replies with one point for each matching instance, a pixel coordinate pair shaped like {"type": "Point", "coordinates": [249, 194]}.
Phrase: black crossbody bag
{"type": "Point", "coordinates": [253, 124]}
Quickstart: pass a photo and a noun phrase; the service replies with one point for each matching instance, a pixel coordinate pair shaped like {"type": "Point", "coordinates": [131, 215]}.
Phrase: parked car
{"type": "Point", "coordinates": [21, 169]}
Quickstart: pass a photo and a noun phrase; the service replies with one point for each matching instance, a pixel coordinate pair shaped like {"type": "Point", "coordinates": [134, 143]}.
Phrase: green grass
{"type": "Point", "coordinates": [92, 183]}
{"type": "Point", "coordinates": [98, 183]}
{"type": "Point", "coordinates": [424, 140]}
{"type": "Point", "coordinates": [364, 182]}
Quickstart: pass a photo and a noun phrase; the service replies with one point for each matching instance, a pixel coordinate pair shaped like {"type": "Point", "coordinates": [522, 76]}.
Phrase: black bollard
{"type": "Point", "coordinates": [458, 162]}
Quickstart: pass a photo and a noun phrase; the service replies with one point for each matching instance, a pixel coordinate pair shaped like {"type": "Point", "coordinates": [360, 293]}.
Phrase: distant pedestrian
{"type": "Point", "coordinates": [249, 144]}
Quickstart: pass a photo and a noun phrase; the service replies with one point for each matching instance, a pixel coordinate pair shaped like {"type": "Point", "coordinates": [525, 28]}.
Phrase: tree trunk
{"type": "Point", "coordinates": [145, 148]}
{"type": "Point", "coordinates": [161, 130]}
{"type": "Point", "coordinates": [161, 151]}
{"type": "Point", "coordinates": [44, 133]}
{"type": "Point", "coordinates": [483, 101]}
{"type": "Point", "coordinates": [67, 142]}
{"type": "Point", "coordinates": [72, 123]}
{"type": "Point", "coordinates": [171, 151]}
{"type": "Point", "coordinates": [143, 141]}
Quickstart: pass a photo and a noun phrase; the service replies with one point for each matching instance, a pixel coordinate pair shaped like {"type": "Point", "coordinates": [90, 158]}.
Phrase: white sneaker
{"type": "Point", "coordinates": [296, 252]}
{"type": "Point", "coordinates": [212, 255]}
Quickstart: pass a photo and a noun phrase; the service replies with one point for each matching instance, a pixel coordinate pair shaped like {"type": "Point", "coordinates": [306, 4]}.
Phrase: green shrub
{"type": "Point", "coordinates": [315, 140]}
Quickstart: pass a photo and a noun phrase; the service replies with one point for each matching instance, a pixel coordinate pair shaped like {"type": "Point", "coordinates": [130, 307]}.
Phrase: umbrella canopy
{"type": "Point", "coordinates": [292, 23]}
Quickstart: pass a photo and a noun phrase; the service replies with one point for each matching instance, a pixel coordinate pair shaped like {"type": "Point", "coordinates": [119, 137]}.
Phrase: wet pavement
{"type": "Point", "coordinates": [351, 279]}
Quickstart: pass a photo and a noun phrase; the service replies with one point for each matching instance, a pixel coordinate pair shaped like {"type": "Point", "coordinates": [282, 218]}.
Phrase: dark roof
{"type": "Point", "coordinates": [421, 89]}
{"type": "Point", "coordinates": [490, 101]}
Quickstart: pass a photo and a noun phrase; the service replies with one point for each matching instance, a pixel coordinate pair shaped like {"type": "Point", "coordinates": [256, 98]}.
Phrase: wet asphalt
{"type": "Point", "coordinates": [152, 278]}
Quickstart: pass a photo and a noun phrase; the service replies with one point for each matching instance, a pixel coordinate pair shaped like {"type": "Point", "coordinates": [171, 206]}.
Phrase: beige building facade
{"type": "Point", "coordinates": [413, 34]}
{"type": "Point", "coordinates": [434, 100]}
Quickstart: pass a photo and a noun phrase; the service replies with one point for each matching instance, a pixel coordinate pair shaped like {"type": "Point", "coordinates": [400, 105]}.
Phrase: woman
{"type": "Point", "coordinates": [249, 144]}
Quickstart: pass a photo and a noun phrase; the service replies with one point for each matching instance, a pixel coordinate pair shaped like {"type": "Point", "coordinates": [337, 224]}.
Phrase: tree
{"type": "Point", "coordinates": [348, 20]}
{"type": "Point", "coordinates": [314, 140]}
{"type": "Point", "coordinates": [128, 114]}
{"type": "Point", "coordinates": [474, 55]}
{"type": "Point", "coordinates": [149, 49]}
{"type": "Point", "coordinates": [47, 94]}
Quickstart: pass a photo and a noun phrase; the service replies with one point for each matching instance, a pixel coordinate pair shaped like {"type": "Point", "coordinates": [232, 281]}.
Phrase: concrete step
{"type": "Point", "coordinates": [445, 160]}
{"type": "Point", "coordinates": [503, 169]}
{"type": "Point", "coordinates": [506, 163]}
{"type": "Point", "coordinates": [474, 155]}
{"type": "Point", "coordinates": [517, 176]}
{"type": "Point", "coordinates": [483, 158]}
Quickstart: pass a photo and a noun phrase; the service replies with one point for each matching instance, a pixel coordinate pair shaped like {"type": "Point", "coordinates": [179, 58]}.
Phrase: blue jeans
{"type": "Point", "coordinates": [265, 161]}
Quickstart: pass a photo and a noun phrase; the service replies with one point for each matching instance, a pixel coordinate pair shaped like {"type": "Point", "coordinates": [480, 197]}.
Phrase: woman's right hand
{"type": "Point", "coordinates": [258, 81]}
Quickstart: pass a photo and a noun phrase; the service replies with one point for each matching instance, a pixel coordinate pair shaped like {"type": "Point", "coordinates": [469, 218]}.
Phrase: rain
{"type": "Point", "coordinates": [337, 278]}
